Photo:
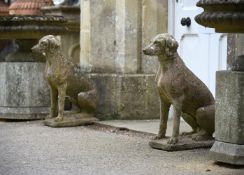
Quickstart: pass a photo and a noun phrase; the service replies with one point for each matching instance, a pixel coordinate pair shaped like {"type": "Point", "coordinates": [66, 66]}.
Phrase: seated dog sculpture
{"type": "Point", "coordinates": [65, 79]}
{"type": "Point", "coordinates": [179, 87]}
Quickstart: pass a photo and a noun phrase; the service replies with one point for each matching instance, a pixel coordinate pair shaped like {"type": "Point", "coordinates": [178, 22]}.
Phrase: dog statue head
{"type": "Point", "coordinates": [162, 44]}
{"type": "Point", "coordinates": [47, 45]}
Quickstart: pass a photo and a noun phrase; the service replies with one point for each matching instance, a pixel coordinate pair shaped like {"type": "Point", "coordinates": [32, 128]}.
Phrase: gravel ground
{"type": "Point", "coordinates": [29, 148]}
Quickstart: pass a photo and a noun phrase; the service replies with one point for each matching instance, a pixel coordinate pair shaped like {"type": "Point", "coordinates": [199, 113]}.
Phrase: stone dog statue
{"type": "Point", "coordinates": [65, 79]}
{"type": "Point", "coordinates": [179, 87]}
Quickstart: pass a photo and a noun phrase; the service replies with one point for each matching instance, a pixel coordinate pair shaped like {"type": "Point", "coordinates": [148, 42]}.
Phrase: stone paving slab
{"type": "Point", "coordinates": [149, 126]}
{"type": "Point", "coordinates": [30, 148]}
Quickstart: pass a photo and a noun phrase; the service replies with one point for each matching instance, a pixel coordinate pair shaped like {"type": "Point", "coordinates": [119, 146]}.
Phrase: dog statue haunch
{"type": "Point", "coordinates": [179, 87]}
{"type": "Point", "coordinates": [65, 79]}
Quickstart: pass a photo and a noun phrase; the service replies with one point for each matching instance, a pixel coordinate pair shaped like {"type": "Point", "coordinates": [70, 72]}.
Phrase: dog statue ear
{"type": "Point", "coordinates": [171, 46]}
{"type": "Point", "coordinates": [57, 41]}
{"type": "Point", "coordinates": [54, 43]}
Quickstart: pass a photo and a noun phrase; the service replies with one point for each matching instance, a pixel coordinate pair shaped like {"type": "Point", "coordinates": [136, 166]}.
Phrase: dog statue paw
{"type": "Point", "coordinates": [158, 137]}
{"type": "Point", "coordinates": [173, 140]}
{"type": "Point", "coordinates": [59, 118]}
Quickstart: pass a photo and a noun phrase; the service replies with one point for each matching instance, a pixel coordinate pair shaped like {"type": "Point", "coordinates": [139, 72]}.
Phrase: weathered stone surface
{"type": "Point", "coordinates": [235, 48]}
{"type": "Point", "coordinates": [238, 64]}
{"type": "Point", "coordinates": [102, 35]}
{"type": "Point", "coordinates": [85, 32]}
{"type": "Point", "coordinates": [229, 122]}
{"type": "Point", "coordinates": [130, 96]}
{"type": "Point", "coordinates": [185, 143]}
{"type": "Point", "coordinates": [71, 47]}
{"type": "Point", "coordinates": [31, 27]}
{"type": "Point", "coordinates": [227, 153]}
{"type": "Point", "coordinates": [120, 28]}
{"type": "Point", "coordinates": [24, 92]}
{"type": "Point", "coordinates": [154, 21]}
{"type": "Point", "coordinates": [128, 35]}
{"type": "Point", "coordinates": [24, 113]}
{"type": "Point", "coordinates": [112, 36]}
{"type": "Point", "coordinates": [71, 120]}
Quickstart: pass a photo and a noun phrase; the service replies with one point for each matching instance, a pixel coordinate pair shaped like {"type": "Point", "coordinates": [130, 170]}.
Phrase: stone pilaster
{"type": "Point", "coordinates": [113, 34]}
{"type": "Point", "coordinates": [154, 21]}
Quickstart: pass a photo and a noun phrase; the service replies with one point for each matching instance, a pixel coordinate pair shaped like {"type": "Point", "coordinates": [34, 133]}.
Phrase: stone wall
{"type": "Point", "coordinates": [113, 34]}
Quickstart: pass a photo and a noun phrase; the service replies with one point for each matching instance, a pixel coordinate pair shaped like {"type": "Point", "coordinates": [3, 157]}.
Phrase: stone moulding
{"type": "Point", "coordinates": [66, 9]}
{"type": "Point", "coordinates": [31, 27]}
{"type": "Point", "coordinates": [224, 16]}
{"type": "Point", "coordinates": [216, 20]}
{"type": "Point", "coordinates": [73, 23]}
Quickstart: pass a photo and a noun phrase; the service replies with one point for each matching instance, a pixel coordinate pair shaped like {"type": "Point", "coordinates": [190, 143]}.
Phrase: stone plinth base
{"type": "Point", "coordinates": [127, 96]}
{"type": "Point", "coordinates": [229, 118]}
{"type": "Point", "coordinates": [227, 153]}
{"type": "Point", "coordinates": [24, 94]}
{"type": "Point", "coordinates": [71, 120]}
{"type": "Point", "coordinates": [25, 113]}
{"type": "Point", "coordinates": [185, 143]}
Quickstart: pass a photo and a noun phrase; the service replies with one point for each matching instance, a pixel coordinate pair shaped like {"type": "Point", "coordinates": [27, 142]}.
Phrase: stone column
{"type": "Point", "coordinates": [229, 135]}
{"type": "Point", "coordinates": [112, 38]}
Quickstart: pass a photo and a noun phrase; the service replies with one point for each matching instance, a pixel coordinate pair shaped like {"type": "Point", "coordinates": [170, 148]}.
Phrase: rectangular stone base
{"type": "Point", "coordinates": [227, 153]}
{"type": "Point", "coordinates": [229, 106]}
{"type": "Point", "coordinates": [71, 120]}
{"type": "Point", "coordinates": [185, 143]}
{"type": "Point", "coordinates": [23, 113]}
{"type": "Point", "coordinates": [24, 93]}
{"type": "Point", "coordinates": [126, 96]}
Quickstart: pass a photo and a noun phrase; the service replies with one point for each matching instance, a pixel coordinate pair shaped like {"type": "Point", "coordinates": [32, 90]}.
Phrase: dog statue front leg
{"type": "Point", "coordinates": [54, 102]}
{"type": "Point", "coordinates": [61, 100]}
{"type": "Point", "coordinates": [164, 112]}
{"type": "Point", "coordinates": [177, 108]}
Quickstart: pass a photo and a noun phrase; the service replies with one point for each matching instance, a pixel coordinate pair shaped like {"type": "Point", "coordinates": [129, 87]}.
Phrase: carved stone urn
{"type": "Point", "coordinates": [227, 16]}
{"type": "Point", "coordinates": [28, 7]}
{"type": "Point", "coordinates": [223, 15]}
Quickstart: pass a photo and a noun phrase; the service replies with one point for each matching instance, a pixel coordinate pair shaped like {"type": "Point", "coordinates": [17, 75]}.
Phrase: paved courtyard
{"type": "Point", "coordinates": [29, 148]}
